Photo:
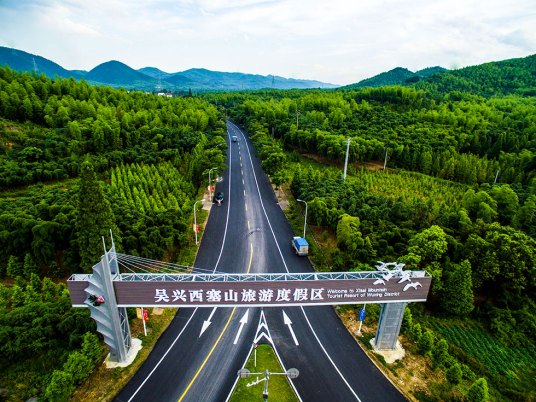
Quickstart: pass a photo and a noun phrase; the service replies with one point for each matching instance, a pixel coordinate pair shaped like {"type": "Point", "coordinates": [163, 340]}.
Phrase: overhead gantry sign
{"type": "Point", "coordinates": [107, 293]}
{"type": "Point", "coordinates": [258, 290]}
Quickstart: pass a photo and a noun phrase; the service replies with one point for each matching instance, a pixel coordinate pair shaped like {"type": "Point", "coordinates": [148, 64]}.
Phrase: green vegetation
{"type": "Point", "coordinates": [436, 207]}
{"type": "Point", "coordinates": [279, 388]}
{"type": "Point", "coordinates": [457, 199]}
{"type": "Point", "coordinates": [75, 162]}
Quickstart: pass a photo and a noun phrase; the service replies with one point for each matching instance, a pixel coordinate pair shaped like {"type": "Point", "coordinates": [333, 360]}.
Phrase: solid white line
{"type": "Point", "coordinates": [215, 267]}
{"type": "Point", "coordinates": [228, 206]}
{"type": "Point", "coordinates": [286, 267]}
{"type": "Point", "coordinates": [162, 358]}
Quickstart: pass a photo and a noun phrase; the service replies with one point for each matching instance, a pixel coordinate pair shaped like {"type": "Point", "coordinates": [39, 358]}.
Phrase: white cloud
{"type": "Point", "coordinates": [340, 41]}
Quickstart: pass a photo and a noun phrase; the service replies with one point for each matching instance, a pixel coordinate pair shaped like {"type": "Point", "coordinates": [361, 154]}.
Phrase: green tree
{"type": "Point", "coordinates": [454, 374]}
{"type": "Point", "coordinates": [440, 353]}
{"type": "Point", "coordinates": [95, 218]}
{"type": "Point", "coordinates": [91, 347]}
{"type": "Point", "coordinates": [430, 244]}
{"type": "Point", "coordinates": [17, 296]}
{"type": "Point", "coordinates": [457, 296]}
{"type": "Point", "coordinates": [14, 267]}
{"type": "Point", "coordinates": [59, 387]}
{"type": "Point", "coordinates": [348, 235]}
{"type": "Point", "coordinates": [507, 203]}
{"type": "Point", "coordinates": [425, 343]}
{"type": "Point", "coordinates": [78, 366]}
{"type": "Point", "coordinates": [478, 391]}
{"type": "Point", "coordinates": [415, 332]}
{"type": "Point", "coordinates": [30, 267]}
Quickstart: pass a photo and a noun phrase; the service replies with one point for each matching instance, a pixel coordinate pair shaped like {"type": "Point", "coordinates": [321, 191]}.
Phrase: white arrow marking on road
{"type": "Point", "coordinates": [262, 324]}
{"type": "Point", "coordinates": [207, 322]}
{"type": "Point", "coordinates": [287, 321]}
{"type": "Point", "coordinates": [243, 321]}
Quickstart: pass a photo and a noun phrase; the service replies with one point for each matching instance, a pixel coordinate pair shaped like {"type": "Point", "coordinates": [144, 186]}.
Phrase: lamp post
{"type": "Point", "coordinates": [290, 373]}
{"type": "Point", "coordinates": [195, 220]}
{"type": "Point", "coordinates": [305, 221]}
{"type": "Point", "coordinates": [210, 182]}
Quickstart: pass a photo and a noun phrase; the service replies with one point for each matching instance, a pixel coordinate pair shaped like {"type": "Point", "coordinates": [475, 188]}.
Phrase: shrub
{"type": "Point", "coordinates": [454, 374]}
{"type": "Point", "coordinates": [59, 388]}
{"type": "Point", "coordinates": [478, 391]}
{"type": "Point", "coordinates": [440, 353]}
{"type": "Point", "coordinates": [425, 343]}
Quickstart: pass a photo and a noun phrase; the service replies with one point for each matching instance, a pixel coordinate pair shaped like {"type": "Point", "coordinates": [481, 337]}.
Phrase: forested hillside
{"type": "Point", "coordinates": [75, 161]}
{"type": "Point", "coordinates": [458, 199]}
{"type": "Point", "coordinates": [514, 76]}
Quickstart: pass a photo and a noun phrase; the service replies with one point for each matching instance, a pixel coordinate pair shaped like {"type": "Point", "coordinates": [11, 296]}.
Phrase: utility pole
{"type": "Point", "coordinates": [385, 160]}
{"type": "Point", "coordinates": [346, 159]}
{"type": "Point", "coordinates": [496, 176]}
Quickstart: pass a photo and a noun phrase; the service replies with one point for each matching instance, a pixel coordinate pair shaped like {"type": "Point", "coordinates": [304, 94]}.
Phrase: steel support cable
{"type": "Point", "coordinates": [152, 264]}
{"type": "Point", "coordinates": [155, 262]}
{"type": "Point", "coordinates": [156, 265]}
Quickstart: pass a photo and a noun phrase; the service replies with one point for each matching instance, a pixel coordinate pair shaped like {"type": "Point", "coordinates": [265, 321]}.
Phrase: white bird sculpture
{"type": "Point", "coordinates": [413, 285]}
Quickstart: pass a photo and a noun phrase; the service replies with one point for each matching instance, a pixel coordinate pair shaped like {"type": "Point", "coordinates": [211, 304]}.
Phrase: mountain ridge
{"type": "Point", "coordinates": [118, 74]}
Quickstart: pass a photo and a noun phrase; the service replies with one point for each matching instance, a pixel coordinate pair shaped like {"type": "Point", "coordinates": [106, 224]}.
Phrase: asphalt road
{"type": "Point", "coordinates": [249, 233]}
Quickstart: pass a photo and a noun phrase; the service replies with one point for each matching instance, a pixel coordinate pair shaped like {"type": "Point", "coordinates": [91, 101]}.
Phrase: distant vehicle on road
{"type": "Point", "coordinates": [235, 138]}
{"type": "Point", "coordinates": [300, 245]}
{"type": "Point", "coordinates": [218, 198]}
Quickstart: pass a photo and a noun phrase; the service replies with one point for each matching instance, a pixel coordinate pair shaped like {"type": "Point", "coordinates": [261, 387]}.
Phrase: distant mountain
{"type": "Point", "coordinates": [428, 71]}
{"type": "Point", "coordinates": [154, 72]}
{"type": "Point", "coordinates": [397, 76]}
{"type": "Point", "coordinates": [237, 81]}
{"type": "Point", "coordinates": [513, 76]}
{"type": "Point", "coordinates": [22, 61]}
{"type": "Point", "coordinates": [118, 74]}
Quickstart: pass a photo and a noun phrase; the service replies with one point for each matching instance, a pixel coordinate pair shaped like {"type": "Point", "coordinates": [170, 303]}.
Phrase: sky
{"type": "Point", "coordinates": [335, 41]}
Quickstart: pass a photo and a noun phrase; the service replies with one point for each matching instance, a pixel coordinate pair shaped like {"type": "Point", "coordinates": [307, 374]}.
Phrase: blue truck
{"type": "Point", "coordinates": [300, 246]}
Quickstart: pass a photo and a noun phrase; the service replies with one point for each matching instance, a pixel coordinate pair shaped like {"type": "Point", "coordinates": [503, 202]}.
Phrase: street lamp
{"type": "Point", "coordinates": [305, 221]}
{"type": "Point", "coordinates": [195, 220]}
{"type": "Point", "coordinates": [210, 182]}
{"type": "Point", "coordinates": [290, 373]}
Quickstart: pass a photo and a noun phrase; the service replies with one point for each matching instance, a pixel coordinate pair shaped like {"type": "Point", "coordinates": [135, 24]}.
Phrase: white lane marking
{"type": "Point", "coordinates": [243, 321]}
{"type": "Point", "coordinates": [246, 205]}
{"type": "Point", "coordinates": [207, 322]}
{"type": "Point", "coordinates": [243, 182]}
{"type": "Point", "coordinates": [228, 206]}
{"type": "Point", "coordinates": [195, 310]}
{"type": "Point", "coordinates": [278, 358]}
{"type": "Point", "coordinates": [286, 321]}
{"type": "Point", "coordinates": [163, 357]}
{"type": "Point", "coordinates": [286, 267]}
{"type": "Point", "coordinates": [262, 324]}
{"type": "Point", "coordinates": [248, 226]}
{"type": "Point", "coordinates": [244, 193]}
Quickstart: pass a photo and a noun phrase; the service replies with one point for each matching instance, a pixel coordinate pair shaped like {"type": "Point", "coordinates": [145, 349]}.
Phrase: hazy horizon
{"type": "Point", "coordinates": [340, 42]}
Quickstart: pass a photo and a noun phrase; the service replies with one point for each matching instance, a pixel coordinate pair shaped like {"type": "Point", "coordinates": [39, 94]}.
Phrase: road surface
{"type": "Point", "coordinates": [197, 357]}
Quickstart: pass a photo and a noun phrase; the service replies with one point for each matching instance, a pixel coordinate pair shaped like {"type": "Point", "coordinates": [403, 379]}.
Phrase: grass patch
{"type": "Point", "coordinates": [279, 388]}
{"type": "Point", "coordinates": [105, 383]}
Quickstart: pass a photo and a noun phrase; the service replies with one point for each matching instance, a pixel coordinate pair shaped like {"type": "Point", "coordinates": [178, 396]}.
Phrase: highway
{"type": "Point", "coordinates": [197, 357]}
